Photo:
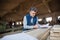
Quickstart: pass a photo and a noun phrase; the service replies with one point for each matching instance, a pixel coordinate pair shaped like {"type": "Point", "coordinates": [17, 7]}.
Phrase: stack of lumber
{"type": "Point", "coordinates": [55, 33]}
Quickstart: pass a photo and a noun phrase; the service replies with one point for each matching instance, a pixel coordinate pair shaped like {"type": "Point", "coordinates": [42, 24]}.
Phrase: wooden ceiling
{"type": "Point", "coordinates": [14, 10]}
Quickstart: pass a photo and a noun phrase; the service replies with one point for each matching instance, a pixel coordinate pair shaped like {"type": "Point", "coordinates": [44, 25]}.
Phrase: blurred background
{"type": "Point", "coordinates": [13, 11]}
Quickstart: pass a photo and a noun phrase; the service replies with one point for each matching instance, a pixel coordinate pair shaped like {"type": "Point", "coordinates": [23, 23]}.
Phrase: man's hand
{"type": "Point", "coordinates": [36, 26]}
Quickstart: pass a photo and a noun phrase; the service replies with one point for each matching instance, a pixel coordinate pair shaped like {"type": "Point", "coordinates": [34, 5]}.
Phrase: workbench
{"type": "Point", "coordinates": [40, 34]}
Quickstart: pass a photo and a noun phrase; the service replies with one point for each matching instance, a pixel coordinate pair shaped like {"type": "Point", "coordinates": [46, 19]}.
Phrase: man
{"type": "Point", "coordinates": [30, 21]}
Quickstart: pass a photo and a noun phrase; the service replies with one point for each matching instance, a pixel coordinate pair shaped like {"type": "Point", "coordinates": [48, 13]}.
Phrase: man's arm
{"type": "Point", "coordinates": [25, 24]}
{"type": "Point", "coordinates": [38, 23]}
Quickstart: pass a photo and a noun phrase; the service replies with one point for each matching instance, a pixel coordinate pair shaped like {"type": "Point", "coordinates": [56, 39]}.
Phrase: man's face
{"type": "Point", "coordinates": [32, 13]}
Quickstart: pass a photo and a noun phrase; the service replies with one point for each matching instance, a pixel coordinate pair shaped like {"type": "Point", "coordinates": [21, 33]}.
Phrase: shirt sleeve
{"type": "Point", "coordinates": [37, 21]}
{"type": "Point", "coordinates": [25, 24]}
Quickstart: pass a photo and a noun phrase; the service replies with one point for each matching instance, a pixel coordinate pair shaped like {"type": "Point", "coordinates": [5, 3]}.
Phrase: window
{"type": "Point", "coordinates": [58, 17]}
{"type": "Point", "coordinates": [17, 23]}
{"type": "Point", "coordinates": [49, 19]}
{"type": "Point", "coordinates": [39, 19]}
{"type": "Point", "coordinates": [12, 23]}
{"type": "Point", "coordinates": [20, 23]}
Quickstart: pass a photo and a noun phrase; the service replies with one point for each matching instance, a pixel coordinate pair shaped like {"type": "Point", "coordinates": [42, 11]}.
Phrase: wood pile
{"type": "Point", "coordinates": [55, 33]}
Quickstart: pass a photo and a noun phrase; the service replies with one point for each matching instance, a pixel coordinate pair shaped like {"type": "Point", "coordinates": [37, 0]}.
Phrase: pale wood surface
{"type": "Point", "coordinates": [41, 33]}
